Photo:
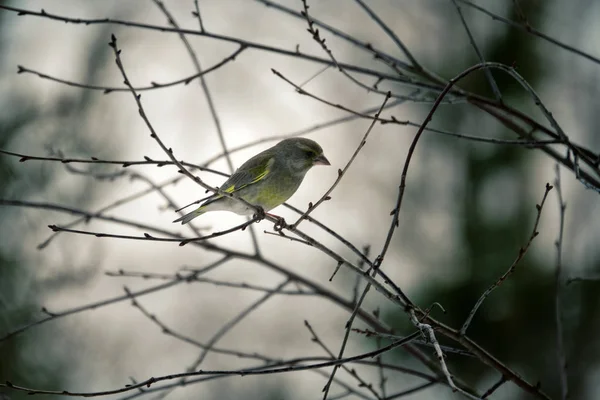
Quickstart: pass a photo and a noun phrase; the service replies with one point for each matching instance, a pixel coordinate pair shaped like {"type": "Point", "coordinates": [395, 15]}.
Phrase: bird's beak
{"type": "Point", "coordinates": [321, 160]}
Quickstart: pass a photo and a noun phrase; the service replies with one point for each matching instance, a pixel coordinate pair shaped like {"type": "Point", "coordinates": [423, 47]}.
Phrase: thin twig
{"type": "Point", "coordinates": [159, 187]}
{"type": "Point", "coordinates": [154, 135]}
{"type": "Point", "coordinates": [207, 95]}
{"type": "Point", "coordinates": [428, 332]}
{"type": "Point", "coordinates": [186, 339]}
{"type": "Point", "coordinates": [226, 327]}
{"type": "Point", "coordinates": [361, 382]}
{"type": "Point", "coordinates": [348, 329]}
{"type": "Point", "coordinates": [223, 330]}
{"type": "Point", "coordinates": [392, 35]}
{"type": "Point", "coordinates": [198, 279]}
{"type": "Point", "coordinates": [364, 257]}
{"type": "Point", "coordinates": [102, 303]}
{"type": "Point", "coordinates": [394, 120]}
{"type": "Point", "coordinates": [560, 344]}
{"type": "Point", "coordinates": [274, 363]}
{"type": "Point", "coordinates": [122, 163]}
{"type": "Point", "coordinates": [316, 35]}
{"type": "Point", "coordinates": [511, 269]}
{"type": "Point", "coordinates": [313, 76]}
{"type": "Point", "coordinates": [290, 238]}
{"type": "Point", "coordinates": [337, 32]}
{"type": "Point", "coordinates": [168, 331]}
{"type": "Point", "coordinates": [342, 172]}
{"type": "Point", "coordinates": [148, 237]}
{"type": "Point", "coordinates": [124, 200]}
{"type": "Point", "coordinates": [230, 39]}
{"type": "Point", "coordinates": [401, 189]}
{"type": "Point", "coordinates": [527, 28]}
{"type": "Point", "coordinates": [381, 371]}
{"type": "Point", "coordinates": [488, 73]}
{"type": "Point", "coordinates": [152, 86]}
{"type": "Point", "coordinates": [366, 317]}
{"type": "Point", "coordinates": [320, 290]}
{"type": "Point", "coordinates": [380, 335]}
{"type": "Point", "coordinates": [494, 387]}
{"type": "Point", "coordinates": [583, 177]}
{"type": "Point", "coordinates": [304, 131]}
{"type": "Point", "coordinates": [240, 372]}
{"type": "Point", "coordinates": [472, 97]}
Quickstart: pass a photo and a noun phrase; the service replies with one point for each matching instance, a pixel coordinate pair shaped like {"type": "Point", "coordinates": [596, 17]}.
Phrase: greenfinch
{"type": "Point", "coordinates": [266, 180]}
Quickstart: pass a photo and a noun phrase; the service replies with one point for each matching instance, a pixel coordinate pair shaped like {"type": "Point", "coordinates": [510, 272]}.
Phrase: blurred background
{"type": "Point", "coordinates": [469, 206]}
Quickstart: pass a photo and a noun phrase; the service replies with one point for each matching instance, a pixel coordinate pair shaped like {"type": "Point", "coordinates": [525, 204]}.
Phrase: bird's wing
{"type": "Point", "coordinates": [252, 171]}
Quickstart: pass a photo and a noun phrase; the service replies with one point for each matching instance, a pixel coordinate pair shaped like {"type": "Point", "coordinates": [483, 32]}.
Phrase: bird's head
{"type": "Point", "coordinates": [302, 154]}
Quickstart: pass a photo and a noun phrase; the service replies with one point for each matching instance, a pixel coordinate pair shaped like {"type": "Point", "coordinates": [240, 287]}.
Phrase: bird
{"type": "Point", "coordinates": [266, 180]}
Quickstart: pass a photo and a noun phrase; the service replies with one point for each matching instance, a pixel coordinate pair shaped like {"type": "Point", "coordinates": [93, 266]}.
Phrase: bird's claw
{"type": "Point", "coordinates": [280, 224]}
{"type": "Point", "coordinates": [260, 214]}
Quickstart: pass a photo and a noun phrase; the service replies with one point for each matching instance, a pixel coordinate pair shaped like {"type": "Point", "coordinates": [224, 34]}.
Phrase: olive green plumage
{"type": "Point", "coordinates": [267, 180]}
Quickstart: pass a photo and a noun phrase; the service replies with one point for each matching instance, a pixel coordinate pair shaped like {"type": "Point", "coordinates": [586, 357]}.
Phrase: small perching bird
{"type": "Point", "coordinates": [266, 180]}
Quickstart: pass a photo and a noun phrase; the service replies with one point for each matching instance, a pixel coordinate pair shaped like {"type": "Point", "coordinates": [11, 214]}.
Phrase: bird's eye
{"type": "Point", "coordinates": [307, 151]}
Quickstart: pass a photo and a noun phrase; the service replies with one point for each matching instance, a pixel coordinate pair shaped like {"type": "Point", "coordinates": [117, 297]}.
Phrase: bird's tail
{"type": "Point", "coordinates": [190, 216]}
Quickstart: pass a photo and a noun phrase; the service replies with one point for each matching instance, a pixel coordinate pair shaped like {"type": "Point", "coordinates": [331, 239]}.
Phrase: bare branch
{"type": "Point", "coordinates": [102, 303]}
{"type": "Point", "coordinates": [427, 331]}
{"type": "Point", "coordinates": [207, 94]}
{"type": "Point", "coordinates": [494, 387]}
{"type": "Point", "coordinates": [560, 345]}
{"type": "Point", "coordinates": [198, 279]}
{"type": "Point", "coordinates": [529, 29]}
{"type": "Point", "coordinates": [153, 134]}
{"type": "Point", "coordinates": [488, 73]}
{"type": "Point", "coordinates": [152, 86]}
{"type": "Point", "coordinates": [337, 32]}
{"type": "Point", "coordinates": [362, 383]}
{"type": "Point", "coordinates": [348, 328]}
{"type": "Point", "coordinates": [122, 163]}
{"type": "Point", "coordinates": [342, 172]}
{"type": "Point", "coordinates": [321, 41]}
{"type": "Point", "coordinates": [148, 237]}
{"type": "Point", "coordinates": [394, 120]}
{"type": "Point", "coordinates": [511, 269]}
{"type": "Point", "coordinates": [391, 34]}
{"type": "Point", "coordinates": [241, 42]}
{"type": "Point", "coordinates": [241, 372]}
